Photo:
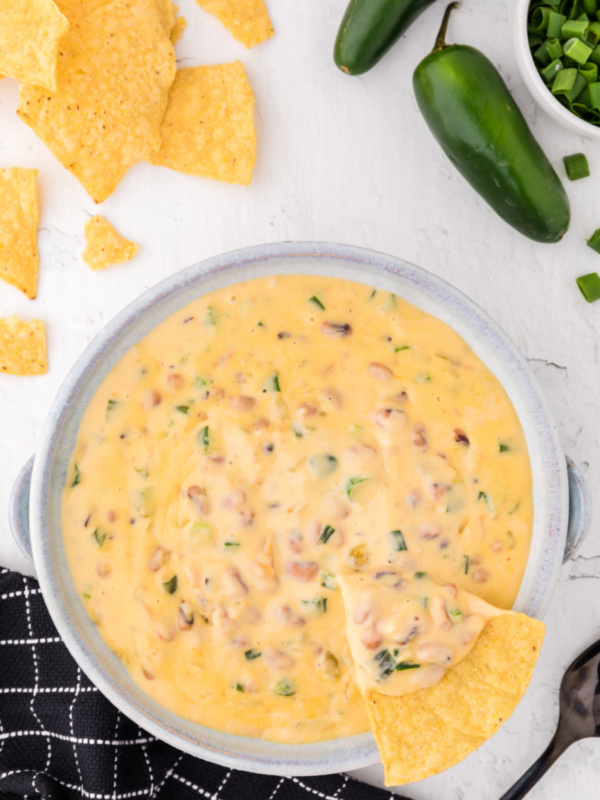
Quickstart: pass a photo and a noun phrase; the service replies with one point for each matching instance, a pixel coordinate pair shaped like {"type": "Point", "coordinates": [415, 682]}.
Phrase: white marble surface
{"type": "Point", "coordinates": [347, 160]}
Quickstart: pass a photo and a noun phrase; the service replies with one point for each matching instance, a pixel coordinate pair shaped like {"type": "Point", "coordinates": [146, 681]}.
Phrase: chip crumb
{"type": "Point", "coordinates": [105, 247]}
{"type": "Point", "coordinates": [247, 20]}
{"type": "Point", "coordinates": [424, 733]}
{"type": "Point", "coordinates": [208, 128]}
{"type": "Point", "coordinates": [30, 36]}
{"type": "Point", "coordinates": [115, 68]}
{"type": "Point", "coordinates": [22, 347]}
{"type": "Point", "coordinates": [19, 217]}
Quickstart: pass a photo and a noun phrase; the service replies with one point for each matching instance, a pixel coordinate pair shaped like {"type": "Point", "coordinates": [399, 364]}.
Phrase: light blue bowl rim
{"type": "Point", "coordinates": [416, 285]}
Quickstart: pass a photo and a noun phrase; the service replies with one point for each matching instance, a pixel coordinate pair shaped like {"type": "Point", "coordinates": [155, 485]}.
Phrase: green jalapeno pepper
{"type": "Point", "coordinates": [473, 116]}
{"type": "Point", "coordinates": [369, 28]}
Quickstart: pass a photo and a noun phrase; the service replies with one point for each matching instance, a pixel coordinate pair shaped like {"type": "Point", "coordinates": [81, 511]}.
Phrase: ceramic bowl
{"type": "Point", "coordinates": [559, 526]}
{"type": "Point", "coordinates": [537, 88]}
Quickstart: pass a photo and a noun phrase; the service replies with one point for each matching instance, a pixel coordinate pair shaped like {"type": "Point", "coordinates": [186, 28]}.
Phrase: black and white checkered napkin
{"type": "Point", "coordinates": [60, 739]}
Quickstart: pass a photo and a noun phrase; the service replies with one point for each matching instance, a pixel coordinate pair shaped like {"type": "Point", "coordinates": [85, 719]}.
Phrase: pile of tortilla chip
{"type": "Point", "coordinates": [421, 734]}
{"type": "Point", "coordinates": [98, 85]}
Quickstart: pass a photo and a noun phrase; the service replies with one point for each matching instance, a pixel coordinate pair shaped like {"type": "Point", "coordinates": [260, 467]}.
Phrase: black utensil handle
{"type": "Point", "coordinates": [535, 771]}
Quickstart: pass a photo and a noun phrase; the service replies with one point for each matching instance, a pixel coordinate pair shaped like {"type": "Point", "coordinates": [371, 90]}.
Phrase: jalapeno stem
{"type": "Point", "coordinates": [440, 42]}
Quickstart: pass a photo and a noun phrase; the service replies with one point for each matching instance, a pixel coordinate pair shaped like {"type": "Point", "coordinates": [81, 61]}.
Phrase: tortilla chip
{"type": "Point", "coordinates": [424, 733]}
{"type": "Point", "coordinates": [30, 34]}
{"type": "Point", "coordinates": [208, 128]}
{"type": "Point", "coordinates": [178, 29]}
{"type": "Point", "coordinates": [105, 246]}
{"type": "Point", "coordinates": [19, 217]}
{"type": "Point", "coordinates": [76, 10]}
{"type": "Point", "coordinates": [115, 69]}
{"type": "Point", "coordinates": [22, 347]}
{"type": "Point", "coordinates": [247, 20]}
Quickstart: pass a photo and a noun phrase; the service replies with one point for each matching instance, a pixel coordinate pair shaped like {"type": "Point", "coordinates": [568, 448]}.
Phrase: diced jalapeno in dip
{"type": "Point", "coordinates": [251, 450]}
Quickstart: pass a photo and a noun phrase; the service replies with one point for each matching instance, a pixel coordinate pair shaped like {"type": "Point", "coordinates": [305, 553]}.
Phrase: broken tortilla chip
{"type": "Point", "coordinates": [30, 34]}
{"type": "Point", "coordinates": [105, 246]}
{"type": "Point", "coordinates": [22, 347]}
{"type": "Point", "coordinates": [76, 10]}
{"type": "Point", "coordinates": [426, 732]}
{"type": "Point", "coordinates": [19, 216]}
{"type": "Point", "coordinates": [208, 127]}
{"type": "Point", "coordinates": [115, 69]}
{"type": "Point", "coordinates": [178, 29]}
{"type": "Point", "coordinates": [247, 20]}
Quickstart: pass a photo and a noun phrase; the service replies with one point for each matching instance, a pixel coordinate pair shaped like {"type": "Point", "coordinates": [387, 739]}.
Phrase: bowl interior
{"type": "Point", "coordinates": [536, 86]}
{"type": "Point", "coordinates": [383, 272]}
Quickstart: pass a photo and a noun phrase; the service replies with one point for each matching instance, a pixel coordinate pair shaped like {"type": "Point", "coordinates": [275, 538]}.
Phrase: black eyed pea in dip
{"type": "Point", "coordinates": [255, 445]}
{"type": "Point", "coordinates": [404, 630]}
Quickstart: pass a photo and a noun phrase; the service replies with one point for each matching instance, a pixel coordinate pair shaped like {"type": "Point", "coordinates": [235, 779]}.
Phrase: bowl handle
{"type": "Point", "coordinates": [580, 510]}
{"type": "Point", "coordinates": [18, 510]}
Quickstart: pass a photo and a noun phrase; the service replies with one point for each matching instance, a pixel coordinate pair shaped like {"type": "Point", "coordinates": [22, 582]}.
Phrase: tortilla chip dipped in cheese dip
{"type": "Point", "coordinates": [255, 444]}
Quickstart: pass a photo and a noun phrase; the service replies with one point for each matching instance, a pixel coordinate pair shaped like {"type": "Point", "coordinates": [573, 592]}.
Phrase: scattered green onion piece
{"type": "Point", "coordinates": [328, 581]}
{"type": "Point", "coordinates": [594, 90]}
{"type": "Point", "coordinates": [554, 49]}
{"type": "Point", "coordinates": [577, 50]}
{"type": "Point", "coordinates": [100, 538]}
{"type": "Point", "coordinates": [589, 72]}
{"type": "Point", "coordinates": [594, 241]}
{"type": "Point", "coordinates": [589, 286]}
{"type": "Point", "coordinates": [326, 534]}
{"type": "Point", "coordinates": [402, 665]}
{"type": "Point", "coordinates": [549, 72]}
{"type": "Point", "coordinates": [211, 316]}
{"type": "Point", "coordinates": [564, 81]}
{"type": "Point", "coordinates": [203, 438]}
{"type": "Point", "coordinates": [322, 464]}
{"type": "Point", "coordinates": [399, 541]}
{"type": "Point", "coordinates": [579, 86]}
{"type": "Point", "coordinates": [503, 448]}
{"type": "Point", "coordinates": [183, 409]}
{"type": "Point", "coordinates": [315, 301]}
{"type": "Point", "coordinates": [284, 687]}
{"type": "Point", "coordinates": [317, 603]}
{"type": "Point", "coordinates": [420, 575]}
{"type": "Point", "coordinates": [170, 586]}
{"type": "Point", "coordinates": [467, 561]}
{"type": "Point", "coordinates": [555, 23]}
{"type": "Point", "coordinates": [272, 383]}
{"type": "Point", "coordinates": [77, 477]}
{"type": "Point", "coordinates": [252, 654]}
{"type": "Point", "coordinates": [539, 19]}
{"type": "Point", "coordinates": [239, 687]}
{"type": "Point", "coordinates": [111, 405]}
{"type": "Point", "coordinates": [351, 485]}
{"type": "Point", "coordinates": [577, 166]}
{"type": "Point", "coordinates": [575, 29]}
{"type": "Point", "coordinates": [543, 56]}
{"type": "Point", "coordinates": [595, 56]}
{"type": "Point", "coordinates": [386, 664]}
{"type": "Point", "coordinates": [232, 544]}
{"type": "Point", "coordinates": [592, 37]}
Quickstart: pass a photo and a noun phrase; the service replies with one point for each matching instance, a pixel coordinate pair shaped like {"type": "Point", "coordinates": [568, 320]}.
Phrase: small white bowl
{"type": "Point", "coordinates": [537, 88]}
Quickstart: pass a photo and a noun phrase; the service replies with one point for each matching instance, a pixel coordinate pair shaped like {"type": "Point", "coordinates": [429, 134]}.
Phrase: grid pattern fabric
{"type": "Point", "coordinates": [60, 739]}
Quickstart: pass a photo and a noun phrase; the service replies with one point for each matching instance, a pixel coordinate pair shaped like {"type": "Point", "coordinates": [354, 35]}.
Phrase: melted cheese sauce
{"type": "Point", "coordinates": [405, 630]}
{"type": "Point", "coordinates": [252, 445]}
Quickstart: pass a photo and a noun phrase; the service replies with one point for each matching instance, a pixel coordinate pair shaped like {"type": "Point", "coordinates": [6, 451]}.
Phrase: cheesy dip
{"type": "Point", "coordinates": [255, 444]}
